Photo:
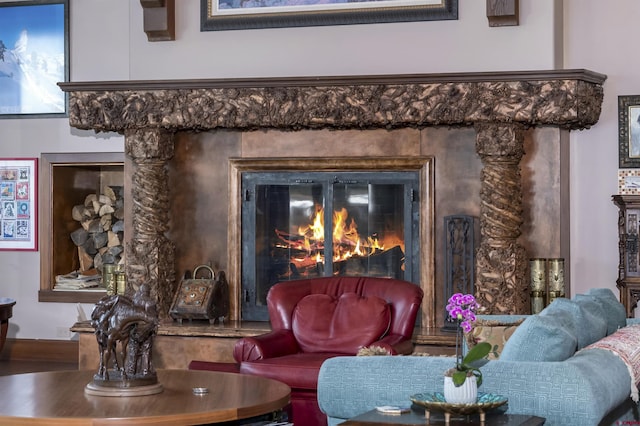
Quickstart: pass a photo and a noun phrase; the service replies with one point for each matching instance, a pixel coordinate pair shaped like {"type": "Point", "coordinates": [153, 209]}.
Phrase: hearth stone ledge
{"type": "Point", "coordinates": [178, 344]}
{"type": "Point", "coordinates": [499, 105]}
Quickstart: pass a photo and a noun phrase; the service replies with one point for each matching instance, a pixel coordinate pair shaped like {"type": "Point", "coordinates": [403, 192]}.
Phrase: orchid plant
{"type": "Point", "coordinates": [462, 309]}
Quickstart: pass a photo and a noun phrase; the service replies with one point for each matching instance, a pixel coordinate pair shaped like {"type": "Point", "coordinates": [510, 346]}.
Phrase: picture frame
{"type": "Point", "coordinates": [629, 131]}
{"type": "Point", "coordinates": [19, 204]}
{"type": "Point", "coordinates": [220, 15]}
{"type": "Point", "coordinates": [628, 181]}
{"type": "Point", "coordinates": [34, 58]}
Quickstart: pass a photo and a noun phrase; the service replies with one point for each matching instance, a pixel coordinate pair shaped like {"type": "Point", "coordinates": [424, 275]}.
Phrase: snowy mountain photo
{"type": "Point", "coordinates": [32, 59]}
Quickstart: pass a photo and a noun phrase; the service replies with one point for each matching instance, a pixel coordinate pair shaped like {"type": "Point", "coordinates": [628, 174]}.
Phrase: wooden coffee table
{"type": "Point", "coordinates": [416, 417]}
{"type": "Point", "coordinates": [59, 398]}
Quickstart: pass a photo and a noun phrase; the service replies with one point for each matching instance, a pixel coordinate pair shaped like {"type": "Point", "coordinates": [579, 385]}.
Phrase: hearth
{"type": "Point", "coordinates": [312, 224]}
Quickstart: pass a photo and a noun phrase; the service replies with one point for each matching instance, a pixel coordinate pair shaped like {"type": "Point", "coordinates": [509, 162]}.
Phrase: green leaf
{"type": "Point", "coordinates": [478, 352]}
{"type": "Point", "coordinates": [459, 377]}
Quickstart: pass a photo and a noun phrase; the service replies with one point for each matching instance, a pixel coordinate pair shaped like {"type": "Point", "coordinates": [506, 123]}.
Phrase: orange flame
{"type": "Point", "coordinates": [346, 239]}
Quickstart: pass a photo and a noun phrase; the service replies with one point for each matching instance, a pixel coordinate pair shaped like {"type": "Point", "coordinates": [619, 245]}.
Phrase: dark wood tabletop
{"type": "Point", "coordinates": [59, 398]}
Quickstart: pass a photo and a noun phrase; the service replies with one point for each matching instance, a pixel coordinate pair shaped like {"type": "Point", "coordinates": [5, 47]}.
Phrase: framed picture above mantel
{"type": "Point", "coordinates": [219, 15]}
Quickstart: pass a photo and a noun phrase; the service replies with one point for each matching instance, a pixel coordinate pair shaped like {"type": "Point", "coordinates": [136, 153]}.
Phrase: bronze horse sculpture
{"type": "Point", "coordinates": [131, 322]}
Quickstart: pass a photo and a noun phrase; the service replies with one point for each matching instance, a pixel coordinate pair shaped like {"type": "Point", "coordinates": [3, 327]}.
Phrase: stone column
{"type": "Point", "coordinates": [501, 263]}
{"type": "Point", "coordinates": [150, 255]}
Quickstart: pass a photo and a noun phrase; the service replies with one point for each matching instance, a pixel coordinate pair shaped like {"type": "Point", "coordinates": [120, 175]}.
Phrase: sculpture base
{"type": "Point", "coordinates": [117, 385]}
{"type": "Point", "coordinates": [98, 390]}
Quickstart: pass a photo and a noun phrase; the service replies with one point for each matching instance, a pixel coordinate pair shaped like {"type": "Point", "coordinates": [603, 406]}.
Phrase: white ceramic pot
{"type": "Point", "coordinates": [466, 393]}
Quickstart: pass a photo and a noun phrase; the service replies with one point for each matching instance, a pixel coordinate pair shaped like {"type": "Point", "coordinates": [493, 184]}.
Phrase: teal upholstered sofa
{"type": "Point", "coordinates": [549, 367]}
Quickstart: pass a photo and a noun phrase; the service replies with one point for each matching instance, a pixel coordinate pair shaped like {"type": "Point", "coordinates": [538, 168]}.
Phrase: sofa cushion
{"type": "Point", "coordinates": [614, 310]}
{"type": "Point", "coordinates": [496, 333]}
{"type": "Point", "coordinates": [299, 371]}
{"type": "Point", "coordinates": [591, 324]}
{"type": "Point", "coordinates": [547, 336]}
{"type": "Point", "coordinates": [322, 323]}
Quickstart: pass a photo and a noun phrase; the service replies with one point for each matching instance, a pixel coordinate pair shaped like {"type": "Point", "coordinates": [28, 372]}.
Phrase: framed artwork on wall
{"type": "Point", "coordinates": [34, 58]}
{"type": "Point", "coordinates": [218, 15]}
{"type": "Point", "coordinates": [629, 131]}
{"type": "Point", "coordinates": [19, 204]}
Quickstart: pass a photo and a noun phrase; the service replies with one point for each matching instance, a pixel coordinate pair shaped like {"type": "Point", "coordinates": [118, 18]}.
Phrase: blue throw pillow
{"type": "Point", "coordinates": [589, 318]}
{"type": "Point", "coordinates": [592, 321]}
{"type": "Point", "coordinates": [614, 310]}
{"type": "Point", "coordinates": [548, 336]}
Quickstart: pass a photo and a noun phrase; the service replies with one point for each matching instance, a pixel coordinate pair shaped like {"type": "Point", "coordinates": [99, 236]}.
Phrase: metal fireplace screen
{"type": "Point", "coordinates": [312, 224]}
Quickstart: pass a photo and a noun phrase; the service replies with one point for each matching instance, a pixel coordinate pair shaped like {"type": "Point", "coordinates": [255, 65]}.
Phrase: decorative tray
{"type": "Point", "coordinates": [435, 402]}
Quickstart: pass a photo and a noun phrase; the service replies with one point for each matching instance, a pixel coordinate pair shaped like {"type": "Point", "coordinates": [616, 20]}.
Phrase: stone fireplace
{"type": "Point", "coordinates": [494, 145]}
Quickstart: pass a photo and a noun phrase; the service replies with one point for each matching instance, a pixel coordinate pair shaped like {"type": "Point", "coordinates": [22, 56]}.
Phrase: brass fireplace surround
{"type": "Point", "coordinates": [499, 106]}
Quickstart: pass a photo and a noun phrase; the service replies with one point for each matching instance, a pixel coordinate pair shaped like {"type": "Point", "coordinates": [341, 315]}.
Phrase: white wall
{"type": "Point", "coordinates": [108, 43]}
{"type": "Point", "coordinates": [598, 37]}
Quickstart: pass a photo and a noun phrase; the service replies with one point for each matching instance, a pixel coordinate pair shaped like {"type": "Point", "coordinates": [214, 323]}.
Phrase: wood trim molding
{"type": "Point", "coordinates": [40, 350]}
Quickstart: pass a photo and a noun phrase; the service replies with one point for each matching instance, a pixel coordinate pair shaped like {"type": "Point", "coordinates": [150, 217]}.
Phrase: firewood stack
{"type": "Point", "coordinates": [100, 237]}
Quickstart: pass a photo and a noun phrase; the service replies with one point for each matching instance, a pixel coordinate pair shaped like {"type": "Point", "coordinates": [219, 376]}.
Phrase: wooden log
{"type": "Point", "coordinates": [100, 239]}
{"type": "Point", "coordinates": [79, 236]}
{"type": "Point", "coordinates": [105, 200]}
{"type": "Point", "coordinates": [105, 209]}
{"type": "Point", "coordinates": [77, 212]}
{"type": "Point", "coordinates": [86, 260]}
{"type": "Point", "coordinates": [109, 192]}
{"type": "Point", "coordinates": [113, 239]}
{"type": "Point", "coordinates": [105, 222]}
{"type": "Point", "coordinates": [89, 199]}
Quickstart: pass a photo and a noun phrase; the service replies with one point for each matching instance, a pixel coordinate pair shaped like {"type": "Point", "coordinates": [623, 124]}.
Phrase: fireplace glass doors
{"type": "Point", "coordinates": [313, 224]}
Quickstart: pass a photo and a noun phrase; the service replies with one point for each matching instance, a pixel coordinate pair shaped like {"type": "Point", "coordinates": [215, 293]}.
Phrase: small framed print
{"type": "Point", "coordinates": [629, 181]}
{"type": "Point", "coordinates": [19, 204]}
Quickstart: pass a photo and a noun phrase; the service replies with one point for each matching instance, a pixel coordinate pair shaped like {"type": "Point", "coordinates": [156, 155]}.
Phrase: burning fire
{"type": "Point", "coordinates": [347, 242]}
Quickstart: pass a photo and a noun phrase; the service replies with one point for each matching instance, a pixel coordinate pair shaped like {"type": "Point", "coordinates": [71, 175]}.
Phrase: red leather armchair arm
{"type": "Point", "coordinates": [269, 345]}
{"type": "Point", "coordinates": [396, 344]}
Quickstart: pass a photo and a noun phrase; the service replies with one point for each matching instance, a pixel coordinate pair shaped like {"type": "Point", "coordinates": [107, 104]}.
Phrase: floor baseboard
{"type": "Point", "coordinates": [40, 350]}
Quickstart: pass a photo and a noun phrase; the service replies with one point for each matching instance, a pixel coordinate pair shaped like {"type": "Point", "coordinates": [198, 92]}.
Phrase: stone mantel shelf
{"type": "Point", "coordinates": [499, 105]}
{"type": "Point", "coordinates": [563, 98]}
{"type": "Point", "coordinates": [468, 77]}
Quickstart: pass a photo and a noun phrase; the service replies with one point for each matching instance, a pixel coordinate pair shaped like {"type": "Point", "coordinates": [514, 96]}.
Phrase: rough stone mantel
{"type": "Point", "coordinates": [499, 105]}
{"type": "Point", "coordinates": [566, 98]}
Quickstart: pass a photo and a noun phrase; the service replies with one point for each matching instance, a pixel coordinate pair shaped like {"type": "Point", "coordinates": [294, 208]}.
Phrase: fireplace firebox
{"type": "Point", "coordinates": [312, 224]}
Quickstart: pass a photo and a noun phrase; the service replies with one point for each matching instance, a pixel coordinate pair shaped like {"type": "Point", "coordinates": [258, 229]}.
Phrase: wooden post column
{"type": "Point", "coordinates": [150, 254]}
{"type": "Point", "coordinates": [501, 261]}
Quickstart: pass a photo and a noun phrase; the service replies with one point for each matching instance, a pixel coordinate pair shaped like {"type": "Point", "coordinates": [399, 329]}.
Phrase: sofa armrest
{"type": "Point", "coordinates": [269, 345]}
{"type": "Point", "coordinates": [396, 344]}
{"type": "Point", "coordinates": [577, 391]}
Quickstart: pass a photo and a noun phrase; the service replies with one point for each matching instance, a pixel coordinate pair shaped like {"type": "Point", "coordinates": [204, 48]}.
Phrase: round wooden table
{"type": "Point", "coordinates": [59, 398]}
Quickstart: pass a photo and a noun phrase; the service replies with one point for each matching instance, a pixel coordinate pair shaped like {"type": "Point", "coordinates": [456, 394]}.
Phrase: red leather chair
{"type": "Point", "coordinates": [316, 319]}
